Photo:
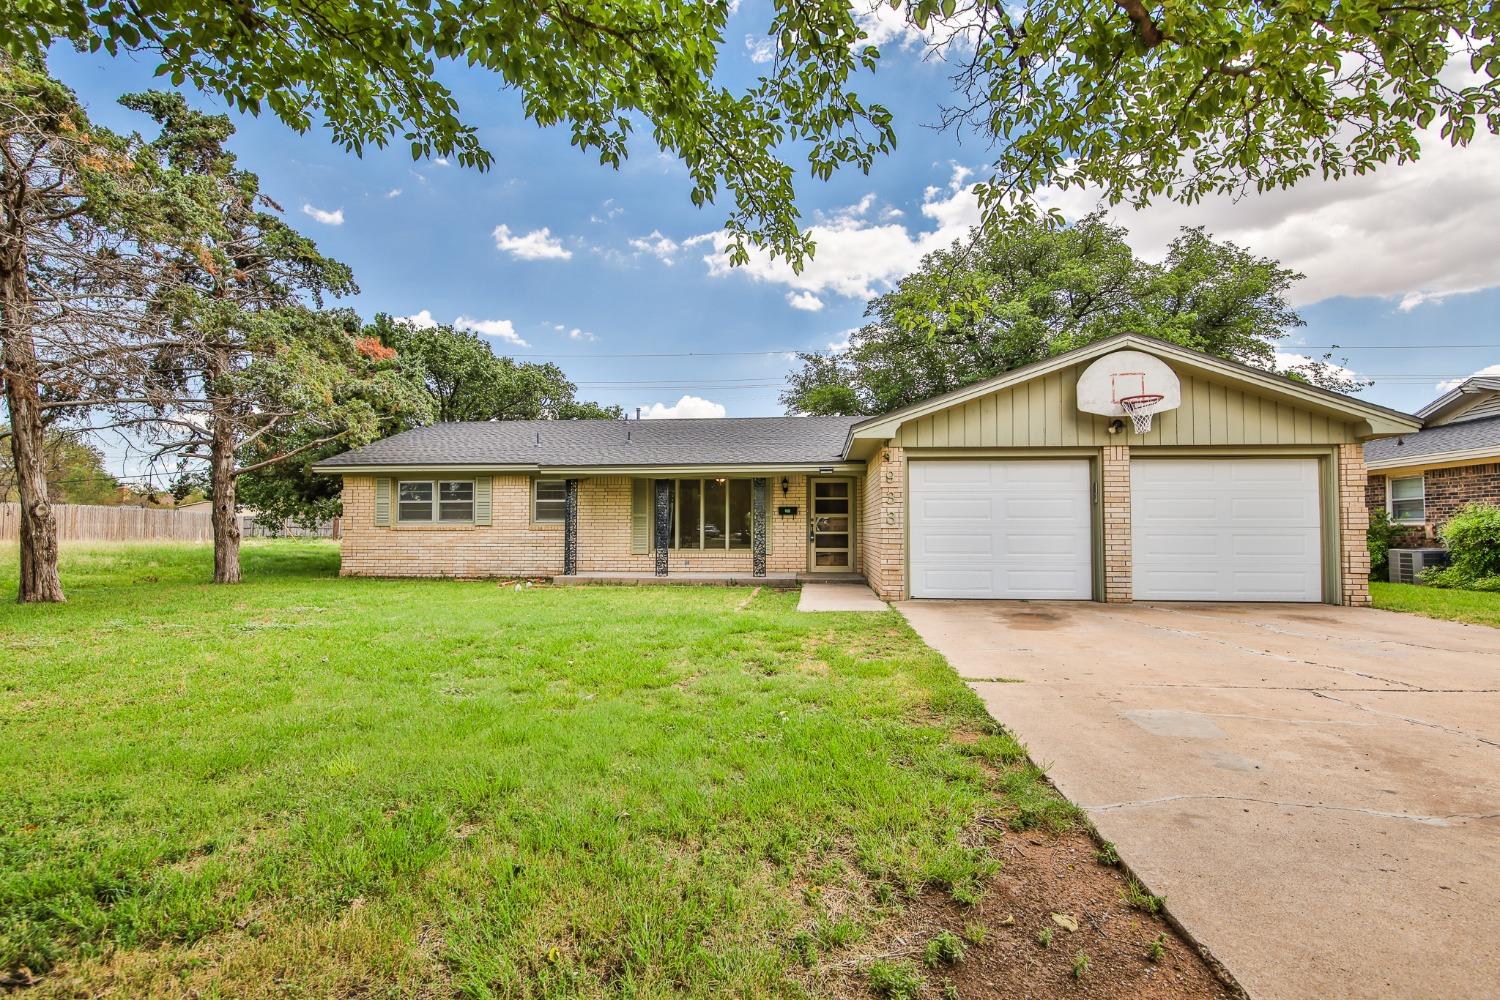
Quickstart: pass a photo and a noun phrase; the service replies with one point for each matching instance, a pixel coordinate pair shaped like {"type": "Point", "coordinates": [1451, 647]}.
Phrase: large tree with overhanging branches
{"type": "Point", "coordinates": [1141, 100]}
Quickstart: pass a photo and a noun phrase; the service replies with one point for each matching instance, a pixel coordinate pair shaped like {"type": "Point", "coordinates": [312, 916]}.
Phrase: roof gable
{"type": "Point", "coordinates": [1473, 398]}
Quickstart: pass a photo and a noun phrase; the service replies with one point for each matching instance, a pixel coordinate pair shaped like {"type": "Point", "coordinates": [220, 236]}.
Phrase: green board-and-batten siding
{"type": "Point", "coordinates": [1043, 413]}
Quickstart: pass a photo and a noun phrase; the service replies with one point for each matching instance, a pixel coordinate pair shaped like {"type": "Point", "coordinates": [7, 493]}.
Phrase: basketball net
{"type": "Point", "coordinates": [1140, 408]}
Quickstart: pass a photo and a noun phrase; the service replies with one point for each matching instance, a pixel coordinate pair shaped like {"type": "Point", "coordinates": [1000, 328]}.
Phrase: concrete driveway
{"type": "Point", "coordinates": [1316, 790]}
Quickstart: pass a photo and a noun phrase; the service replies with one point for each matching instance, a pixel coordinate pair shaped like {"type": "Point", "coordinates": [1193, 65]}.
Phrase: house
{"type": "Point", "coordinates": [1421, 479]}
{"type": "Point", "coordinates": [1032, 484]}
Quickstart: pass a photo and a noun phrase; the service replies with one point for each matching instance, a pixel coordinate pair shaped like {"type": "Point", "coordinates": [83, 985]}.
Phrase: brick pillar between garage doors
{"type": "Point", "coordinates": [1114, 489]}
{"type": "Point", "coordinates": [1354, 521]}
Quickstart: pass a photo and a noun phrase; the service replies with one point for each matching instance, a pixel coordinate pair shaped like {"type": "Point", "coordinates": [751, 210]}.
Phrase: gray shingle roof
{"type": "Point", "coordinates": [1466, 435]}
{"type": "Point", "coordinates": [566, 443]}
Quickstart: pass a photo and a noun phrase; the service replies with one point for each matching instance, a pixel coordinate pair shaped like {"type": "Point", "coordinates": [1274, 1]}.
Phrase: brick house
{"type": "Point", "coordinates": [1421, 479]}
{"type": "Point", "coordinates": [1252, 488]}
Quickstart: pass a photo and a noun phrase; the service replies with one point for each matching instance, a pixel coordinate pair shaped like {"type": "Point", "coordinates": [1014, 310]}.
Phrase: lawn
{"type": "Point", "coordinates": [310, 786]}
{"type": "Point", "coordinates": [1477, 607]}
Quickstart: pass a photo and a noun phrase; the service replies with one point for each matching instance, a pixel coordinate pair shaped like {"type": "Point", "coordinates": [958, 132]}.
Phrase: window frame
{"type": "Point", "coordinates": [562, 510]}
{"type": "Point", "coordinates": [703, 546]}
{"type": "Point", "coordinates": [1391, 499]}
{"type": "Point", "coordinates": [435, 501]}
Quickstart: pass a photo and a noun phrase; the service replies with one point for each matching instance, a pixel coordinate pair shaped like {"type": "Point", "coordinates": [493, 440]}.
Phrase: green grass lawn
{"type": "Point", "coordinates": [309, 786]}
{"type": "Point", "coordinates": [1478, 607]}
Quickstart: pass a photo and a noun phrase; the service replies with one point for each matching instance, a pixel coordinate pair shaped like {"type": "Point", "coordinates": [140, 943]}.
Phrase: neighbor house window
{"type": "Point", "coordinates": [1408, 500]}
{"type": "Point", "coordinates": [550, 500]}
{"type": "Point", "coordinates": [711, 514]}
{"type": "Point", "coordinates": [439, 501]}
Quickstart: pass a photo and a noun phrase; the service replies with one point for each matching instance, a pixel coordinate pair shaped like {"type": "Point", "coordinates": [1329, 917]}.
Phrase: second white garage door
{"type": "Point", "coordinates": [991, 529]}
{"type": "Point", "coordinates": [1239, 529]}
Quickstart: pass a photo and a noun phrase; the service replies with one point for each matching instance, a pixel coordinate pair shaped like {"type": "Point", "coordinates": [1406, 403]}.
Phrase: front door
{"type": "Point", "coordinates": [830, 529]}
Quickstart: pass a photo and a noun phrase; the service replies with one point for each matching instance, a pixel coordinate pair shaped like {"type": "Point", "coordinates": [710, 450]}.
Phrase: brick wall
{"type": "Point", "coordinates": [1354, 522]}
{"type": "Point", "coordinates": [513, 545]}
{"type": "Point", "coordinates": [1114, 474]}
{"type": "Point", "coordinates": [883, 524]}
{"type": "Point", "coordinates": [1446, 490]}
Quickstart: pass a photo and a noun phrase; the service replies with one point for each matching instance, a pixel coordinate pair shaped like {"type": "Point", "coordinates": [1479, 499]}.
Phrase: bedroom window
{"type": "Point", "coordinates": [711, 514]}
{"type": "Point", "coordinates": [448, 501]}
{"type": "Point", "coordinates": [550, 500]}
{"type": "Point", "coordinates": [1408, 500]}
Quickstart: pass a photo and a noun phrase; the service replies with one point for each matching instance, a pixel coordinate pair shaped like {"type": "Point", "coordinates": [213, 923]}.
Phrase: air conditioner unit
{"type": "Point", "coordinates": [1407, 564]}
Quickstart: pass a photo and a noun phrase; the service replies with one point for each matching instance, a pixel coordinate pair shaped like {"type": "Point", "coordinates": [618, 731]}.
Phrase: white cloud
{"type": "Point", "coordinates": [393, 193]}
{"type": "Point", "coordinates": [500, 329]}
{"type": "Point", "coordinates": [539, 244]}
{"type": "Point", "coordinates": [334, 218]}
{"type": "Point", "coordinates": [845, 341]}
{"type": "Point", "coordinates": [806, 301]}
{"type": "Point", "coordinates": [441, 161]}
{"type": "Point", "coordinates": [687, 406]}
{"type": "Point", "coordinates": [577, 334]}
{"type": "Point", "coordinates": [1286, 361]}
{"type": "Point", "coordinates": [661, 247]}
{"type": "Point", "coordinates": [422, 320]}
{"type": "Point", "coordinates": [1451, 384]}
{"type": "Point", "coordinates": [761, 49]}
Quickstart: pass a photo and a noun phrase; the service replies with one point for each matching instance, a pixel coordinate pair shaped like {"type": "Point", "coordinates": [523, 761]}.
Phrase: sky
{"type": "Point", "coordinates": [618, 278]}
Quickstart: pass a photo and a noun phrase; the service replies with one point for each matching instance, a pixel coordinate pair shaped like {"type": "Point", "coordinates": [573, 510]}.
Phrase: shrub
{"type": "Point", "coordinates": [1473, 539]}
{"type": "Point", "coordinates": [1379, 537]}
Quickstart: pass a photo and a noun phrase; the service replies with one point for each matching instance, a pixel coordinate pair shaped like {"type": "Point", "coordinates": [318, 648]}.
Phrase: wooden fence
{"type": "Point", "coordinates": [93, 523]}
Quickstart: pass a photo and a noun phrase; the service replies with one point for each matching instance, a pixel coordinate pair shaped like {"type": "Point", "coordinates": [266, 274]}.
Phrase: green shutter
{"type": "Point", "coordinates": [641, 517]}
{"type": "Point", "coordinates": [482, 501]}
{"type": "Point", "coordinates": [382, 503]}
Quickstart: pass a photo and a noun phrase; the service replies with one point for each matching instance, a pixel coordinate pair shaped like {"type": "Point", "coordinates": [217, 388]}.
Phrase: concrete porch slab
{"type": "Point", "coordinates": [839, 597]}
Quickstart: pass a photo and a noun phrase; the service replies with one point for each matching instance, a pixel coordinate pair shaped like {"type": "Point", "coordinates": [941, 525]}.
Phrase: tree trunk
{"type": "Point", "coordinates": [39, 579]}
{"type": "Point", "coordinates": [226, 520]}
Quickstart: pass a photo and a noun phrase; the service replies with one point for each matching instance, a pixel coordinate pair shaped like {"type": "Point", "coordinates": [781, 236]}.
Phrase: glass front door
{"type": "Point", "coordinates": [830, 530]}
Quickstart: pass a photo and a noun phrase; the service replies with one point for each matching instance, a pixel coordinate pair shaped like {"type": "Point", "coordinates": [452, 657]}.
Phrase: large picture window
{"type": "Point", "coordinates": [444, 501]}
{"type": "Point", "coordinates": [1408, 500]}
{"type": "Point", "coordinates": [711, 514]}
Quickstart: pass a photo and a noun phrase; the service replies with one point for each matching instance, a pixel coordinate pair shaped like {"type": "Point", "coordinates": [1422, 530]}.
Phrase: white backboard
{"type": "Point", "coordinates": [1126, 373]}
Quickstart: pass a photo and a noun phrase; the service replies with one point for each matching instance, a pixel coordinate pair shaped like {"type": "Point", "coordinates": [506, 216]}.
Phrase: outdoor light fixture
{"type": "Point", "coordinates": [1116, 426]}
{"type": "Point", "coordinates": [826, 470]}
{"type": "Point", "coordinates": [786, 487]}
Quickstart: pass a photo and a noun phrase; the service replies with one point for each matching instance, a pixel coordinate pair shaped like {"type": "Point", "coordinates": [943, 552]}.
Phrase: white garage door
{"type": "Point", "coordinates": [1001, 529]}
{"type": "Point", "coordinates": [1241, 529]}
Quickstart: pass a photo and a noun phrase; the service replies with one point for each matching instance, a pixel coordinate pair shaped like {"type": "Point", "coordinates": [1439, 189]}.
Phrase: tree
{"type": "Point", "coordinates": [469, 381]}
{"type": "Point", "coordinates": [248, 371]}
{"type": "Point", "coordinates": [1027, 291]}
{"type": "Point", "coordinates": [77, 218]}
{"type": "Point", "coordinates": [74, 469]}
{"type": "Point", "coordinates": [1142, 100]}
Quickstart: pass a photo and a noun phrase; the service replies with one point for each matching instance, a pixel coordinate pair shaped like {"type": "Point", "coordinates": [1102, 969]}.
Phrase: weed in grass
{"type": "Point", "coordinates": [895, 980]}
{"type": "Point", "coordinates": [1044, 937]}
{"type": "Point", "coordinates": [1080, 965]}
{"type": "Point", "coordinates": [945, 948]}
{"type": "Point", "coordinates": [1136, 895]}
{"type": "Point", "coordinates": [805, 948]}
{"type": "Point", "coordinates": [1158, 949]}
{"type": "Point", "coordinates": [949, 990]}
{"type": "Point", "coordinates": [975, 934]}
{"type": "Point", "coordinates": [885, 895]}
{"type": "Point", "coordinates": [1107, 855]}
{"type": "Point", "coordinates": [840, 933]}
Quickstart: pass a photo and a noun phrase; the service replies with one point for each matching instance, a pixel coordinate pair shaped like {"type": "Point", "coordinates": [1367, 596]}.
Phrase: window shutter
{"type": "Point", "coordinates": [382, 503]}
{"type": "Point", "coordinates": [640, 516]}
{"type": "Point", "coordinates": [482, 501]}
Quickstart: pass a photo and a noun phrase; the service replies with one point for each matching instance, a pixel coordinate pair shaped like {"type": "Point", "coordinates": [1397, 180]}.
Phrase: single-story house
{"type": "Point", "coordinates": [1029, 485]}
{"type": "Point", "coordinates": [1421, 479]}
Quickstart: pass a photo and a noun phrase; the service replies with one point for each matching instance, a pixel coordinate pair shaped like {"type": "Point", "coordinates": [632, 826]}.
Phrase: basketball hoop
{"type": "Point", "coordinates": [1140, 408]}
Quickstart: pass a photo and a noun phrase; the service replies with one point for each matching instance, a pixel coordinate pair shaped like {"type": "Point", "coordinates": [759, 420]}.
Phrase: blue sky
{"type": "Point", "coordinates": [557, 258]}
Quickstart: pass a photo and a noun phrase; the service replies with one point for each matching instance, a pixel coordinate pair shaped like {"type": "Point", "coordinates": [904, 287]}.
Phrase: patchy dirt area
{"type": "Point", "coordinates": [1047, 883]}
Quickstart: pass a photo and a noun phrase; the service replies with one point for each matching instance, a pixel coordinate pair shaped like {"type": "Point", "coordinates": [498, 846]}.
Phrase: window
{"type": "Point", "coordinates": [711, 514]}
{"type": "Point", "coordinates": [1408, 500]}
{"type": "Point", "coordinates": [445, 501]}
{"type": "Point", "coordinates": [551, 500]}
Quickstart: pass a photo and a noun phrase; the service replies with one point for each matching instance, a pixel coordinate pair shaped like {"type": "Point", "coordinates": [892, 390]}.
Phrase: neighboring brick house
{"type": "Point", "coordinates": [1252, 487]}
{"type": "Point", "coordinates": [1421, 479]}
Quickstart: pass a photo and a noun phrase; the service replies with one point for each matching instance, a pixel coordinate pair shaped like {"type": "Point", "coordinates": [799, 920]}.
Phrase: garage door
{"type": "Point", "coordinates": [1226, 530]}
{"type": "Point", "coordinates": [1001, 530]}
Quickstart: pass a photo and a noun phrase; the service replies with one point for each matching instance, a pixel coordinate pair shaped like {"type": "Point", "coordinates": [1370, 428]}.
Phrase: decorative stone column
{"type": "Point", "coordinates": [662, 520]}
{"type": "Point", "coordinates": [758, 508]}
{"type": "Point", "coordinates": [1114, 491]}
{"type": "Point", "coordinates": [570, 528]}
{"type": "Point", "coordinates": [1354, 522]}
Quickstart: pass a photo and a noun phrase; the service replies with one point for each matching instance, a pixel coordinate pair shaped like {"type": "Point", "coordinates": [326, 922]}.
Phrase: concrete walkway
{"type": "Point", "coordinates": [839, 597]}
{"type": "Point", "coordinates": [1316, 790]}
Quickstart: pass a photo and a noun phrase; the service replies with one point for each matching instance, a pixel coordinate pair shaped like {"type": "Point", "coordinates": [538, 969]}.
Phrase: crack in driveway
{"type": "Point", "coordinates": [1411, 719]}
{"type": "Point", "coordinates": [1319, 806]}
